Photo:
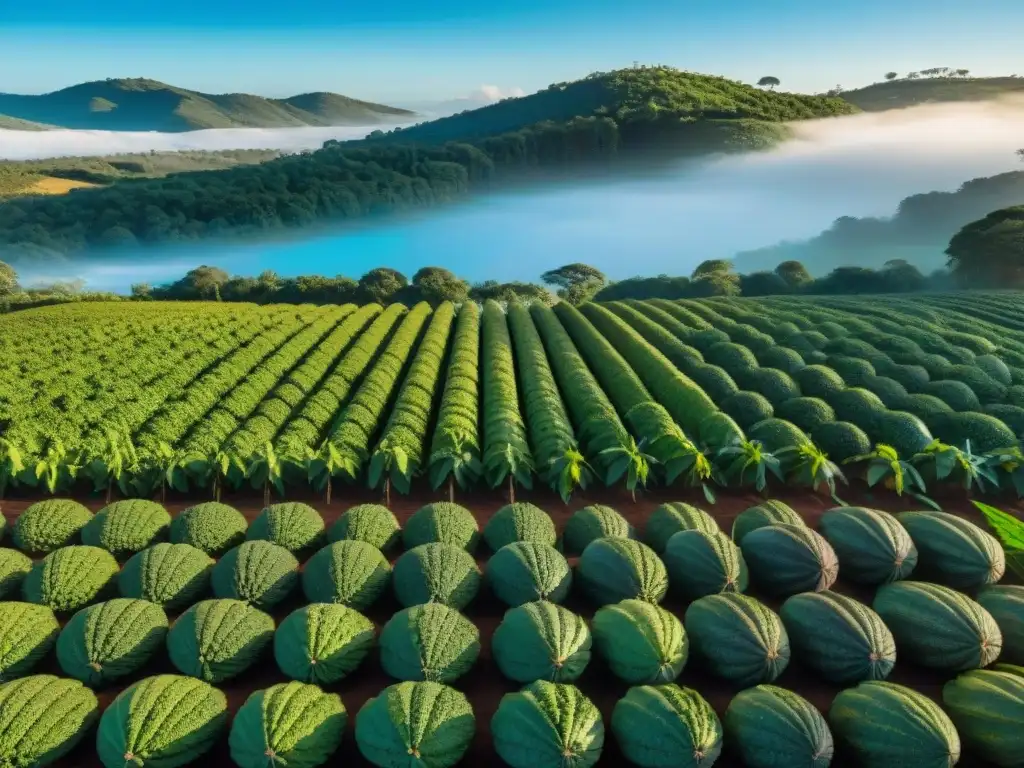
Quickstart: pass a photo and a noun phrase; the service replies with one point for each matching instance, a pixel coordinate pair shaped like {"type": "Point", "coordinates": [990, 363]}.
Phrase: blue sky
{"type": "Point", "coordinates": [388, 50]}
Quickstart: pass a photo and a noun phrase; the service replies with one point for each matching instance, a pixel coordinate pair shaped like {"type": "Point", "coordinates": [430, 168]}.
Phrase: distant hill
{"type": "Point", "coordinates": [919, 231]}
{"type": "Point", "coordinates": [17, 124]}
{"type": "Point", "coordinates": [148, 105]}
{"type": "Point", "coordinates": [645, 103]}
{"type": "Point", "coordinates": [903, 92]}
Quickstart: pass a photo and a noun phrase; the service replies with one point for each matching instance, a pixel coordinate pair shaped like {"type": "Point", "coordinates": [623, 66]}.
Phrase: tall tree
{"type": "Point", "coordinates": [769, 81]}
{"type": "Point", "coordinates": [205, 282]}
{"type": "Point", "coordinates": [571, 274]}
{"type": "Point", "coordinates": [8, 279]}
{"type": "Point", "coordinates": [990, 252]}
{"type": "Point", "coordinates": [381, 284]}
{"type": "Point", "coordinates": [794, 273]}
{"type": "Point", "coordinates": [891, 75]}
{"type": "Point", "coordinates": [436, 285]}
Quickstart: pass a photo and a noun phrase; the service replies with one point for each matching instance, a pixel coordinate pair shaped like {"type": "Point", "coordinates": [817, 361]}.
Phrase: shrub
{"type": "Point", "coordinates": [776, 434]}
{"type": "Point", "coordinates": [956, 394]}
{"type": "Point", "coordinates": [985, 432]}
{"type": "Point", "coordinates": [258, 572]}
{"type": "Point", "coordinates": [541, 641]}
{"type": "Point", "coordinates": [49, 525]}
{"type": "Point", "coordinates": [293, 525]}
{"type": "Point", "coordinates": [643, 644]}
{"type": "Point", "coordinates": [438, 573]}
{"type": "Point", "coordinates": [525, 571]}
{"type": "Point", "coordinates": [926, 407]}
{"type": "Point", "coordinates": [43, 718]}
{"type": "Point", "coordinates": [14, 567]}
{"type": "Point", "coordinates": [612, 569]}
{"type": "Point", "coordinates": [748, 408]}
{"type": "Point", "coordinates": [171, 575]}
{"type": "Point", "coordinates": [216, 640]}
{"type": "Point", "coordinates": [350, 572]}
{"type": "Point", "coordinates": [520, 521]}
{"type": "Point", "coordinates": [716, 383]}
{"type": "Point", "coordinates": [774, 384]}
{"type": "Point", "coordinates": [903, 431]}
{"type": "Point", "coordinates": [1011, 415]}
{"type": "Point", "coordinates": [444, 523]}
{"type": "Point", "coordinates": [429, 642]}
{"type": "Point", "coordinates": [547, 724]}
{"type": "Point", "coordinates": [808, 413]}
{"type": "Point", "coordinates": [430, 722]}
{"type": "Point", "coordinates": [292, 724]}
{"type": "Point", "coordinates": [591, 523]}
{"type": "Point", "coordinates": [70, 578]}
{"type": "Point", "coordinates": [841, 440]}
{"type": "Point", "coordinates": [819, 381]}
{"type": "Point", "coordinates": [105, 642]}
{"type": "Point", "coordinates": [372, 523]}
{"type": "Point", "coordinates": [178, 741]}
{"type": "Point", "coordinates": [785, 359]}
{"type": "Point", "coordinates": [27, 633]}
{"type": "Point", "coordinates": [126, 527]}
{"type": "Point", "coordinates": [853, 370]}
{"type": "Point", "coordinates": [212, 527]}
{"type": "Point", "coordinates": [994, 368]}
{"type": "Point", "coordinates": [857, 406]}
{"type": "Point", "coordinates": [658, 726]}
{"type": "Point", "coordinates": [323, 643]}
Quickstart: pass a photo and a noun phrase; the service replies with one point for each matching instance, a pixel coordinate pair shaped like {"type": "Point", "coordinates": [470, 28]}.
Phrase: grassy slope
{"type": "Point", "coordinates": [60, 175]}
{"type": "Point", "coordinates": [908, 93]}
{"type": "Point", "coordinates": [17, 124]}
{"type": "Point", "coordinates": [628, 96]}
{"type": "Point", "coordinates": [148, 105]}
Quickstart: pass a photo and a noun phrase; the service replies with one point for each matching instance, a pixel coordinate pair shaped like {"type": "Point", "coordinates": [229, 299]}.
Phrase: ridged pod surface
{"type": "Point", "coordinates": [444, 523]}
{"type": "Point", "coordinates": [673, 517]}
{"type": "Point", "coordinates": [27, 633]}
{"type": "Point", "coordinates": [126, 527]}
{"type": "Point", "coordinates": [352, 573]}
{"type": "Point", "coordinates": [216, 640]}
{"type": "Point", "coordinates": [591, 523]}
{"type": "Point", "coordinates": [953, 551]}
{"type": "Point", "coordinates": [938, 627]}
{"type": "Point", "coordinates": [548, 725]}
{"type": "Point", "coordinates": [292, 725]}
{"type": "Point", "coordinates": [373, 523]}
{"type": "Point", "coordinates": [429, 642]}
{"type": "Point", "coordinates": [49, 525]}
{"type": "Point", "coordinates": [541, 641]}
{"type": "Point", "coordinates": [642, 643]}
{"type": "Point", "coordinates": [769, 512]}
{"type": "Point", "coordinates": [164, 721]}
{"type": "Point", "coordinates": [1006, 604]}
{"type": "Point", "coordinates": [14, 567]}
{"type": "Point", "coordinates": [105, 642]}
{"type": "Point", "coordinates": [520, 521]}
{"type": "Point", "coordinates": [987, 707]}
{"type": "Point", "coordinates": [211, 526]}
{"type": "Point", "coordinates": [525, 571]}
{"type": "Point", "coordinates": [787, 559]}
{"type": "Point", "coordinates": [436, 573]}
{"type": "Point", "coordinates": [775, 728]}
{"type": "Point", "coordinates": [171, 575]}
{"type": "Point", "coordinates": [614, 569]}
{"type": "Point", "coordinates": [423, 724]}
{"type": "Point", "coordinates": [872, 546]}
{"type": "Point", "coordinates": [700, 563]}
{"type": "Point", "coordinates": [889, 725]}
{"type": "Point", "coordinates": [323, 643]}
{"type": "Point", "coordinates": [259, 572]}
{"type": "Point", "coordinates": [666, 726]}
{"type": "Point", "coordinates": [839, 638]}
{"type": "Point", "coordinates": [42, 718]}
{"type": "Point", "coordinates": [293, 525]}
{"type": "Point", "coordinates": [71, 577]}
{"type": "Point", "coordinates": [742, 639]}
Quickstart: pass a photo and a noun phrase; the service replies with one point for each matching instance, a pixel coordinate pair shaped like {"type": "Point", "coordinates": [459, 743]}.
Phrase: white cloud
{"type": "Point", "coordinates": [495, 93]}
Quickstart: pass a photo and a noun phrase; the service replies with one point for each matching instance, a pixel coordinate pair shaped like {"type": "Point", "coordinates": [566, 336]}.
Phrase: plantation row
{"type": "Point", "coordinates": [429, 645]}
{"type": "Point", "coordinates": [725, 391]}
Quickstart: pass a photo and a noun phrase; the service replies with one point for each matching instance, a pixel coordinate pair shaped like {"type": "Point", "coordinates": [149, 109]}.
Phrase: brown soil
{"type": "Point", "coordinates": [485, 686]}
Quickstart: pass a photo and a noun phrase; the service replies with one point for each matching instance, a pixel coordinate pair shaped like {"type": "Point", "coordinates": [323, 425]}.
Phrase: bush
{"type": "Point", "coordinates": [436, 572]}
{"type": "Point", "coordinates": [774, 384]}
{"type": "Point", "coordinates": [171, 575]}
{"type": "Point", "coordinates": [323, 643]}
{"type": "Point", "coordinates": [295, 526]}
{"type": "Point", "coordinates": [429, 642]}
{"type": "Point", "coordinates": [71, 577]}
{"type": "Point", "coordinates": [955, 394]}
{"type": "Point", "coordinates": [808, 413]}
{"type": "Point", "coordinates": [49, 525]}
{"type": "Point", "coordinates": [713, 379]}
{"type": "Point", "coordinates": [748, 408]}
{"type": "Point", "coordinates": [986, 433]}
{"type": "Point", "coordinates": [126, 527]}
{"type": "Point", "coordinates": [889, 391]}
{"type": "Point", "coordinates": [212, 527]}
{"type": "Point", "coordinates": [785, 359]}
{"type": "Point", "coordinates": [216, 640]}
{"type": "Point", "coordinates": [297, 724]}
{"type": "Point", "coordinates": [521, 521]}
{"type": "Point", "coordinates": [819, 381]}
{"type": "Point", "coordinates": [443, 523]}
{"type": "Point", "coordinates": [349, 572]}
{"type": "Point", "coordinates": [257, 572]}
{"type": "Point", "coordinates": [373, 523]}
{"type": "Point", "coordinates": [857, 406]}
{"type": "Point", "coordinates": [841, 440]}
{"type": "Point", "coordinates": [853, 369]}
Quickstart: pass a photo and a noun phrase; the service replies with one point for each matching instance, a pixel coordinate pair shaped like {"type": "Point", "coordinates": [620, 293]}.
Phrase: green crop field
{"type": "Point", "coordinates": [673, 533]}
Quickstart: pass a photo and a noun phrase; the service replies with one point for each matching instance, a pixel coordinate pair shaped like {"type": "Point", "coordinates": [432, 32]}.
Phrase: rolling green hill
{"type": "Point", "coordinates": [897, 94]}
{"type": "Point", "coordinates": [148, 105]}
{"type": "Point", "coordinates": [17, 124]}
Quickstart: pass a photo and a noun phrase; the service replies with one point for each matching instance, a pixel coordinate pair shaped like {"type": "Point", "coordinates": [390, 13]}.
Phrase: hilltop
{"type": "Point", "coordinates": [918, 232]}
{"type": "Point", "coordinates": [17, 124]}
{"type": "Point", "coordinates": [910, 92]}
{"type": "Point", "coordinates": [148, 105]}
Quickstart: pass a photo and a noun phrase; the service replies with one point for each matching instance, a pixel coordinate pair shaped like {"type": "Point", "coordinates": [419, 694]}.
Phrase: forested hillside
{"type": "Point", "coordinates": [901, 92]}
{"type": "Point", "coordinates": [593, 123]}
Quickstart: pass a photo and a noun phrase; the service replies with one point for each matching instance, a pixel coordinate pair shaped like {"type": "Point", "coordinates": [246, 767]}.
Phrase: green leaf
{"type": "Point", "coordinates": [876, 472]}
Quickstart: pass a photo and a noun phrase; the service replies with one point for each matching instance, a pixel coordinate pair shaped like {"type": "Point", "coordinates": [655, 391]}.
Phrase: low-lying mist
{"type": "Point", "coordinates": [853, 166]}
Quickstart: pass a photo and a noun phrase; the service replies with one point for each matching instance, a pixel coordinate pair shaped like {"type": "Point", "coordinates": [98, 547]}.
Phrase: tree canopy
{"type": "Point", "coordinates": [990, 252]}
{"type": "Point", "coordinates": [8, 279]}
